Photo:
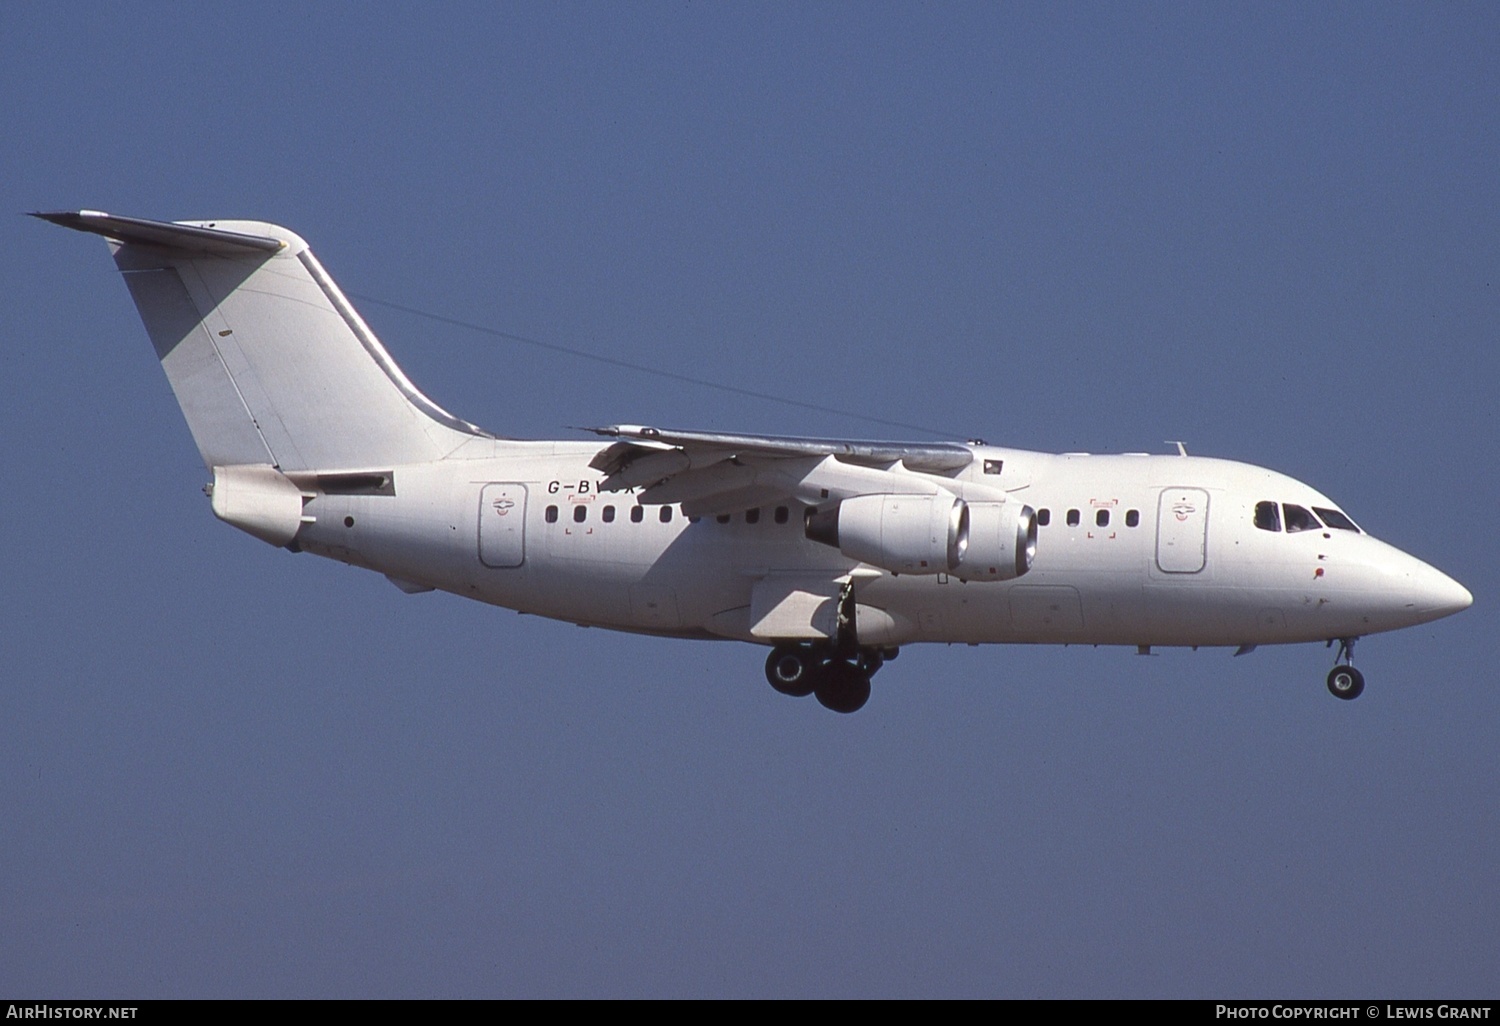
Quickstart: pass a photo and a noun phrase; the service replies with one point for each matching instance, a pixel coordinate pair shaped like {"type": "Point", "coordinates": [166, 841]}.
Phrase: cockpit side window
{"type": "Point", "coordinates": [1335, 519]}
{"type": "Point", "coordinates": [1299, 519]}
{"type": "Point", "coordinates": [1267, 516]}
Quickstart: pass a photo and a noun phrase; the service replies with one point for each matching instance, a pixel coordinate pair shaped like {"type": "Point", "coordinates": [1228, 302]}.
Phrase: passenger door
{"type": "Point", "coordinates": [1182, 530]}
{"type": "Point", "coordinates": [502, 525]}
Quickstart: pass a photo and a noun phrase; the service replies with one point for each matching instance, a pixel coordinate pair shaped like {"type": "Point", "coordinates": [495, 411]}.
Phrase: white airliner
{"type": "Point", "coordinates": [832, 553]}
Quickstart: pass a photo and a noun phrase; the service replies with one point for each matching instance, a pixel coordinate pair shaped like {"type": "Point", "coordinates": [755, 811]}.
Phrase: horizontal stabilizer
{"type": "Point", "coordinates": [162, 233]}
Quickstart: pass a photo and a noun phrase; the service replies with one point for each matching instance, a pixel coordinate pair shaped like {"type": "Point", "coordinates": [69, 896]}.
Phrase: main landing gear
{"type": "Point", "coordinates": [1344, 681]}
{"type": "Point", "coordinates": [840, 682]}
{"type": "Point", "coordinates": [838, 670]}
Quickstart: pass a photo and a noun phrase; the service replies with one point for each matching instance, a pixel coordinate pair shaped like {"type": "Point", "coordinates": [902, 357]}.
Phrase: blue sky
{"type": "Point", "coordinates": [1270, 232]}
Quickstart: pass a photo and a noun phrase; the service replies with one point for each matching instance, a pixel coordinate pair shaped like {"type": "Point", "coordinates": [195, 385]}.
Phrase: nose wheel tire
{"type": "Point", "coordinates": [1345, 682]}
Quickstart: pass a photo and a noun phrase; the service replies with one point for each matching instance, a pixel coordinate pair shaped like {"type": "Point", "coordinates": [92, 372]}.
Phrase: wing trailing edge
{"type": "Point", "coordinates": [712, 473]}
{"type": "Point", "coordinates": [928, 457]}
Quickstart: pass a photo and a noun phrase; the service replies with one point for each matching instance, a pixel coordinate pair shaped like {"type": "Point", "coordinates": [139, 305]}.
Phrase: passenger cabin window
{"type": "Point", "coordinates": [609, 514]}
{"type": "Point", "coordinates": [1267, 516]}
{"type": "Point", "coordinates": [722, 518]}
{"type": "Point", "coordinates": [1073, 519]}
{"type": "Point", "coordinates": [666, 514]}
{"type": "Point", "coordinates": [1336, 520]}
{"type": "Point", "coordinates": [781, 514]}
{"type": "Point", "coordinates": [1101, 518]}
{"type": "Point", "coordinates": [1043, 517]}
{"type": "Point", "coordinates": [637, 514]}
{"type": "Point", "coordinates": [752, 516]}
{"type": "Point", "coordinates": [580, 514]}
{"type": "Point", "coordinates": [1299, 519]}
{"type": "Point", "coordinates": [1133, 518]}
{"type": "Point", "coordinates": [551, 514]}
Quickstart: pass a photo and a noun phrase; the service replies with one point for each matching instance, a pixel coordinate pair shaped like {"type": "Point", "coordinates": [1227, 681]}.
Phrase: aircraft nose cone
{"type": "Point", "coordinates": [1433, 593]}
{"type": "Point", "coordinates": [1402, 591]}
{"type": "Point", "coordinates": [1446, 596]}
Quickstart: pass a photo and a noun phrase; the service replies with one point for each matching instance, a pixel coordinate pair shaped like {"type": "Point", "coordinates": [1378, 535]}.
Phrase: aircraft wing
{"type": "Point", "coordinates": [711, 473]}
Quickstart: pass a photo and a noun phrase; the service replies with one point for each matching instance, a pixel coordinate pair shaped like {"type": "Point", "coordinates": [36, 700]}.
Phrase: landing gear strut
{"type": "Point", "coordinates": [838, 670]}
{"type": "Point", "coordinates": [1344, 681]}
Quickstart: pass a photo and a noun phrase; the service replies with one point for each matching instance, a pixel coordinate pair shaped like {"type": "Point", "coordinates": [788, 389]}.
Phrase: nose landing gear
{"type": "Point", "coordinates": [1344, 681]}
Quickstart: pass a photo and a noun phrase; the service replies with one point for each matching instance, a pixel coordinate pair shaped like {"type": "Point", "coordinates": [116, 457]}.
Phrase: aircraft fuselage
{"type": "Point", "coordinates": [1136, 550]}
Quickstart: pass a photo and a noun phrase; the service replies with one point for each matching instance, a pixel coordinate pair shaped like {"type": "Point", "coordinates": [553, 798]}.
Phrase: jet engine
{"type": "Point", "coordinates": [1002, 541]}
{"type": "Point", "coordinates": [930, 534]}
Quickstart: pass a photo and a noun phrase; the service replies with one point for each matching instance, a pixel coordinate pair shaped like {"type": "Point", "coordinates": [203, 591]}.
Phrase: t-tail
{"type": "Point", "coordinates": [279, 378]}
{"type": "Point", "coordinates": [270, 363]}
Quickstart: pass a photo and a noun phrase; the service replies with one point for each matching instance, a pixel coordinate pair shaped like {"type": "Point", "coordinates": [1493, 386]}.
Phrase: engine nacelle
{"type": "Point", "coordinates": [1001, 541]}
{"type": "Point", "coordinates": [930, 534]}
{"type": "Point", "coordinates": [906, 534]}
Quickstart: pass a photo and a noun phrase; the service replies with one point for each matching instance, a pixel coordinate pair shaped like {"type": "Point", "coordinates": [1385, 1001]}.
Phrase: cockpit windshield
{"type": "Point", "coordinates": [1270, 516]}
{"type": "Point", "coordinates": [1299, 519]}
{"type": "Point", "coordinates": [1335, 519]}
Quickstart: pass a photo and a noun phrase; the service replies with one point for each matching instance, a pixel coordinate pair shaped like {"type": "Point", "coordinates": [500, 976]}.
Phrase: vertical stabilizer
{"type": "Point", "coordinates": [269, 362]}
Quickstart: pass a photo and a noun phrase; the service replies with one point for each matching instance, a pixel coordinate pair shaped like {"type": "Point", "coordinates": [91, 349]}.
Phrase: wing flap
{"type": "Point", "coordinates": [927, 457]}
{"type": "Point", "coordinates": [711, 473]}
{"type": "Point", "coordinates": [699, 484]}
